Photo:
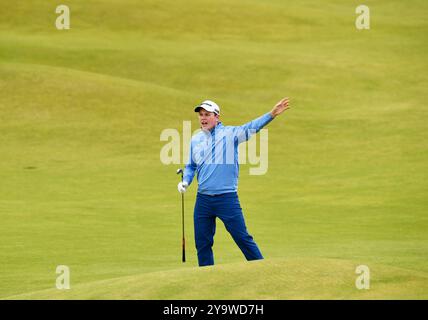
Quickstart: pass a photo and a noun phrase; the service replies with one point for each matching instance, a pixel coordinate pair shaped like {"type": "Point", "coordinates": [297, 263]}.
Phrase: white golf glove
{"type": "Point", "coordinates": [182, 187]}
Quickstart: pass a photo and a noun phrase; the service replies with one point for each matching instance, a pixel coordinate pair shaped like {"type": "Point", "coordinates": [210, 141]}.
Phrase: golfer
{"type": "Point", "coordinates": [214, 158]}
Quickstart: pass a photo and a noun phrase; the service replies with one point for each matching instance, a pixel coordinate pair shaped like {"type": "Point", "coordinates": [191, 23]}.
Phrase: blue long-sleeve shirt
{"type": "Point", "coordinates": [214, 156]}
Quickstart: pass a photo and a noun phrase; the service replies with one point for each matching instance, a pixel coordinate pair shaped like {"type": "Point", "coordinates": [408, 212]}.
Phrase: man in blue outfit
{"type": "Point", "coordinates": [214, 158]}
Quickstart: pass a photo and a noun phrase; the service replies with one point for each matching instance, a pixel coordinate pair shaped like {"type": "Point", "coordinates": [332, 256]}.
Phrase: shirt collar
{"type": "Point", "coordinates": [218, 126]}
{"type": "Point", "coordinates": [214, 129]}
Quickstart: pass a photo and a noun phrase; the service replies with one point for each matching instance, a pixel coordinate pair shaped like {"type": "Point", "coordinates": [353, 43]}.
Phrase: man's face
{"type": "Point", "coordinates": [207, 120]}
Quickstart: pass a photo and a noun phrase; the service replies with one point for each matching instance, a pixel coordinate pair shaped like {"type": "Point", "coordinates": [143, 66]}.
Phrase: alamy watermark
{"type": "Point", "coordinates": [363, 280]}
{"type": "Point", "coordinates": [363, 19]}
{"type": "Point", "coordinates": [63, 278]}
{"type": "Point", "coordinates": [62, 22]}
{"type": "Point", "coordinates": [223, 149]}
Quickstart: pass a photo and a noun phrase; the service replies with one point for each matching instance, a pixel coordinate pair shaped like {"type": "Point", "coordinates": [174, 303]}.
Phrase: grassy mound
{"type": "Point", "coordinates": [268, 279]}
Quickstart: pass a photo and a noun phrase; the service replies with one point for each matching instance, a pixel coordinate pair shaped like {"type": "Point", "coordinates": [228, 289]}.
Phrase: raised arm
{"type": "Point", "coordinates": [245, 131]}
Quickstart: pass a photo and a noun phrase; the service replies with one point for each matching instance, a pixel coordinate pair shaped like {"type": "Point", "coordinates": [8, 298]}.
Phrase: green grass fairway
{"type": "Point", "coordinates": [82, 110]}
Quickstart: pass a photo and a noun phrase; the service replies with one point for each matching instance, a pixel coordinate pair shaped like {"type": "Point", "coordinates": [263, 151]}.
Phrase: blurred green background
{"type": "Point", "coordinates": [82, 110]}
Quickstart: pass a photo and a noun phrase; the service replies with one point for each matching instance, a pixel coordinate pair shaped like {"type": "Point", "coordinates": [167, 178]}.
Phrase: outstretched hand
{"type": "Point", "coordinates": [280, 107]}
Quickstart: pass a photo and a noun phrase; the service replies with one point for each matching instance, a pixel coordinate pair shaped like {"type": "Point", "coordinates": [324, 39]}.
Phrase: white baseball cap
{"type": "Point", "coordinates": [210, 106]}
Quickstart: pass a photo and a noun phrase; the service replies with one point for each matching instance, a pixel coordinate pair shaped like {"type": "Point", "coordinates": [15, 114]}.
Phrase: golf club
{"type": "Point", "coordinates": [182, 219]}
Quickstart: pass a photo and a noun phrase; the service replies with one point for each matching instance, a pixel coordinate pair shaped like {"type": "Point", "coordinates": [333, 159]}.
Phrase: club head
{"type": "Point", "coordinates": [179, 171]}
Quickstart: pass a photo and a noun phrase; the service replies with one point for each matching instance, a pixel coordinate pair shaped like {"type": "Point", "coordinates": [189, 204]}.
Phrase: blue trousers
{"type": "Point", "coordinates": [226, 207]}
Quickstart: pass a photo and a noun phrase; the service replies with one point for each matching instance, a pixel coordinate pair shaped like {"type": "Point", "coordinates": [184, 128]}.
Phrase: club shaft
{"type": "Point", "coordinates": [183, 258]}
